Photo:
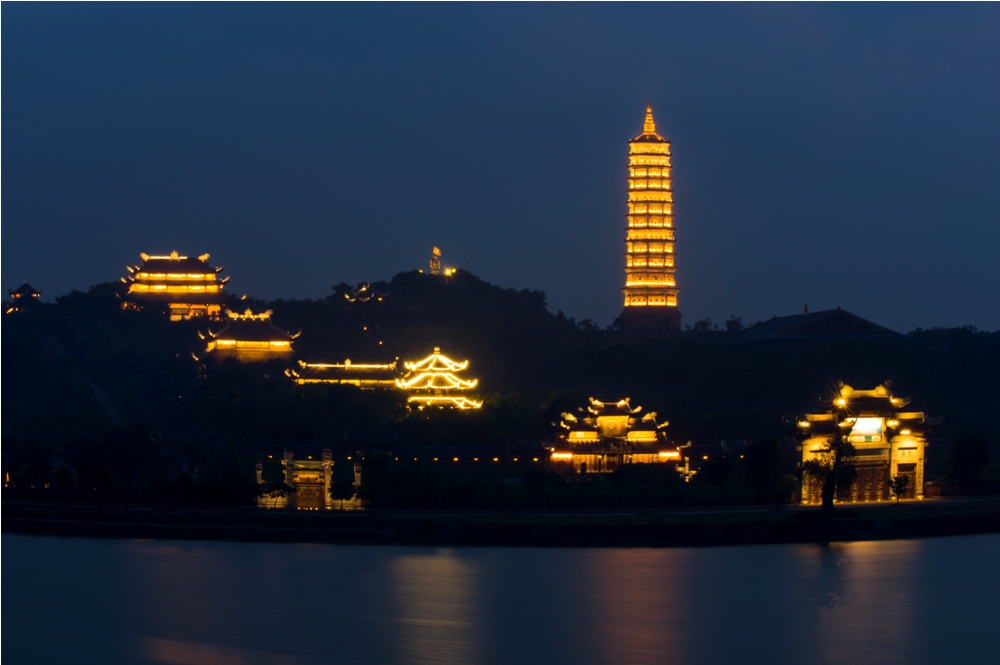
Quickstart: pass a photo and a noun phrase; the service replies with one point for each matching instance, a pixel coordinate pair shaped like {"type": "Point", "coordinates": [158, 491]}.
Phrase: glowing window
{"type": "Point", "coordinates": [866, 429]}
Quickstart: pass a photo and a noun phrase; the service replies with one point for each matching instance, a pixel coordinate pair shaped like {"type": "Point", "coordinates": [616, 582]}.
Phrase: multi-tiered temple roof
{"type": "Point", "coordinates": [249, 337]}
{"type": "Point", "coordinates": [650, 284]}
{"type": "Point", "coordinates": [433, 381]}
{"type": "Point", "coordinates": [188, 287]}
{"type": "Point", "coordinates": [610, 433]}
{"type": "Point", "coordinates": [888, 438]}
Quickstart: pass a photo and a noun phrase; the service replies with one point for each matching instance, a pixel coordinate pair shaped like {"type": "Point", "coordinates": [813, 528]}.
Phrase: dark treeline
{"type": "Point", "coordinates": [100, 399]}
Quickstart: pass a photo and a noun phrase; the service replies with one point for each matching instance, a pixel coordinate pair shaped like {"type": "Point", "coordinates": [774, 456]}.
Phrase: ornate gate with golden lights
{"type": "Point", "coordinates": [309, 494]}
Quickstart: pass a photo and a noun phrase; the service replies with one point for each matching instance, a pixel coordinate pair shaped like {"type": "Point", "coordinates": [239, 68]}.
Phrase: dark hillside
{"type": "Point", "coordinates": [75, 368]}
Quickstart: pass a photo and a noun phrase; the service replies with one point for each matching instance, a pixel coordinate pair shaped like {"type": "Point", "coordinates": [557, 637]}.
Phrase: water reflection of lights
{"type": "Point", "coordinates": [864, 600]}
{"type": "Point", "coordinates": [438, 604]}
{"type": "Point", "coordinates": [635, 603]}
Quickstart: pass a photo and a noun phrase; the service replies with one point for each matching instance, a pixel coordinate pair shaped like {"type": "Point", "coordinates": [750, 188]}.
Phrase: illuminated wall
{"type": "Point", "coordinates": [888, 441]}
{"type": "Point", "coordinates": [188, 287]}
{"type": "Point", "coordinates": [649, 243]}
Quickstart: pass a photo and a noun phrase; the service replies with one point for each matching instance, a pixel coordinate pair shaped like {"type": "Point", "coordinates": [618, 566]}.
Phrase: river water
{"type": "Point", "coordinates": [202, 603]}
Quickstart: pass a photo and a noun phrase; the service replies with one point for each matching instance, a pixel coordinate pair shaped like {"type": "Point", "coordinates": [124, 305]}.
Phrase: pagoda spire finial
{"type": "Point", "coordinates": [649, 127]}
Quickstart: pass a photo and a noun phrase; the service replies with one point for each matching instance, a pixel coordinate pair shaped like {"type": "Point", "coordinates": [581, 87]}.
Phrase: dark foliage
{"type": "Point", "coordinates": [112, 401]}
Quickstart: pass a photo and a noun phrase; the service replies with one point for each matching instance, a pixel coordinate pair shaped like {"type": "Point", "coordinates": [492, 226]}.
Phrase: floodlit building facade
{"type": "Point", "coordinates": [187, 287]}
{"type": "Point", "coordinates": [608, 434]}
{"type": "Point", "coordinates": [650, 280]}
{"type": "Point", "coordinates": [889, 441]}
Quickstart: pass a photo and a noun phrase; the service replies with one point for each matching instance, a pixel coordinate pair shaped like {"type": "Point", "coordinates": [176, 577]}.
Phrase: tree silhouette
{"type": "Point", "coordinates": [833, 468]}
{"type": "Point", "coordinates": [898, 485]}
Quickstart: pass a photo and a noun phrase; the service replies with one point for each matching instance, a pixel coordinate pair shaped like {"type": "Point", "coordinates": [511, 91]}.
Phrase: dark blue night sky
{"type": "Point", "coordinates": [824, 154]}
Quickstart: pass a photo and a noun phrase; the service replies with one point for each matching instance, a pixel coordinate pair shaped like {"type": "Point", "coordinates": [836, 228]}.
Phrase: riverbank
{"type": "Point", "coordinates": [675, 528]}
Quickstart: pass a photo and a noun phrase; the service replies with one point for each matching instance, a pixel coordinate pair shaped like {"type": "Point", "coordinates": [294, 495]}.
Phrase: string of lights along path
{"type": "Point", "coordinates": [650, 285]}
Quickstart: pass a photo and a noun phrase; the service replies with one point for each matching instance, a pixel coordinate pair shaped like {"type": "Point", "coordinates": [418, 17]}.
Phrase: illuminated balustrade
{"type": "Point", "coordinates": [649, 208]}
{"type": "Point", "coordinates": [658, 281]}
{"type": "Point", "coordinates": [647, 234]}
{"type": "Point", "coordinates": [650, 172]}
{"type": "Point", "coordinates": [176, 276]}
{"type": "Point", "coordinates": [649, 148]}
{"type": "Point", "coordinates": [175, 288]}
{"type": "Point", "coordinates": [648, 184]}
{"type": "Point", "coordinates": [650, 196]}
{"type": "Point", "coordinates": [651, 222]}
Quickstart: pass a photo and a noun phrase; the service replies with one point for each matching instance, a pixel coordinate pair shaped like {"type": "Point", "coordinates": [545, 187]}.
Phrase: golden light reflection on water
{"type": "Point", "coordinates": [864, 599]}
{"type": "Point", "coordinates": [192, 610]}
{"type": "Point", "coordinates": [438, 600]}
{"type": "Point", "coordinates": [635, 599]}
{"type": "Point", "coordinates": [930, 601]}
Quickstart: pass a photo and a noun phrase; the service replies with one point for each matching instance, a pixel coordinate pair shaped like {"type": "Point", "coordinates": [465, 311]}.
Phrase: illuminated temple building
{"type": "Point", "coordinates": [310, 481]}
{"type": "Point", "coordinates": [650, 285]}
{"type": "Point", "coordinates": [187, 287]}
{"type": "Point", "coordinates": [609, 434]}
{"type": "Point", "coordinates": [433, 381]}
{"type": "Point", "coordinates": [249, 337]}
{"type": "Point", "coordinates": [888, 440]}
{"type": "Point", "coordinates": [22, 298]}
{"type": "Point", "coordinates": [364, 376]}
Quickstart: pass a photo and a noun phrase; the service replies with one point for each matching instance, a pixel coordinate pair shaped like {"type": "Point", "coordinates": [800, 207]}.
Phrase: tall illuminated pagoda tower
{"type": "Point", "coordinates": [650, 287]}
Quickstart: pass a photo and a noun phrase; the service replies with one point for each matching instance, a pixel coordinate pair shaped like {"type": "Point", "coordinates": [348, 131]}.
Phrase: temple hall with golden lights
{"type": "Point", "coordinates": [187, 287]}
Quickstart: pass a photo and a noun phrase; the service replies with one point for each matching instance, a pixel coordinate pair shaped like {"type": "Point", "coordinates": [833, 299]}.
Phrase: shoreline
{"type": "Point", "coordinates": [670, 528]}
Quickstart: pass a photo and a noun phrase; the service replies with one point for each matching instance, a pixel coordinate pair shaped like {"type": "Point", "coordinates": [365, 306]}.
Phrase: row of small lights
{"type": "Point", "coordinates": [415, 459]}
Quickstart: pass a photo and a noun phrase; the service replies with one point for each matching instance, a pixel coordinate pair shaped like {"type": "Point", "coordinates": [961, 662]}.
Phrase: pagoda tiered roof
{"type": "Point", "coordinates": [184, 283]}
{"type": "Point", "coordinates": [433, 382]}
{"type": "Point", "coordinates": [649, 134]}
{"type": "Point", "coordinates": [650, 291]}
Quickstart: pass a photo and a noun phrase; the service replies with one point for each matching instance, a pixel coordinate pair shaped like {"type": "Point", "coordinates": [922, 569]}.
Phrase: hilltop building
{"type": "Point", "coordinates": [249, 337]}
{"type": "Point", "coordinates": [433, 381]}
{"type": "Point", "coordinates": [831, 325]}
{"type": "Point", "coordinates": [364, 376]}
{"type": "Point", "coordinates": [650, 283]}
{"type": "Point", "coordinates": [889, 441]}
{"type": "Point", "coordinates": [188, 287]}
{"type": "Point", "coordinates": [609, 434]}
{"type": "Point", "coordinates": [22, 298]}
{"type": "Point", "coordinates": [363, 293]}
